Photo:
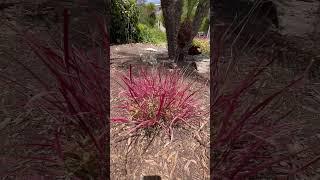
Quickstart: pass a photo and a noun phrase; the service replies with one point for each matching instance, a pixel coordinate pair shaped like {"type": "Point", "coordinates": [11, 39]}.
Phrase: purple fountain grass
{"type": "Point", "coordinates": [78, 103]}
{"type": "Point", "coordinates": [243, 143]}
{"type": "Point", "coordinates": [158, 98]}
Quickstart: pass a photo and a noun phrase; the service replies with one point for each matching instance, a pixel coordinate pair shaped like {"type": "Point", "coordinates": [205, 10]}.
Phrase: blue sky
{"type": "Point", "coordinates": [154, 1]}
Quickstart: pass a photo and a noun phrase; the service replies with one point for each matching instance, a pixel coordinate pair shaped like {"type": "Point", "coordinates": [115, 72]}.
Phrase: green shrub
{"type": "Point", "coordinates": [124, 21]}
{"type": "Point", "coordinates": [204, 25]}
{"type": "Point", "coordinates": [150, 34]}
{"type": "Point", "coordinates": [204, 45]}
{"type": "Point", "coordinates": [147, 14]}
{"type": "Point", "coordinates": [189, 9]}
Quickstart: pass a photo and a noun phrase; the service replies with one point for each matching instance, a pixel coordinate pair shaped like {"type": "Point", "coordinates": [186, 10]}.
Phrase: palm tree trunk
{"type": "Point", "coordinates": [172, 10]}
{"type": "Point", "coordinates": [201, 12]}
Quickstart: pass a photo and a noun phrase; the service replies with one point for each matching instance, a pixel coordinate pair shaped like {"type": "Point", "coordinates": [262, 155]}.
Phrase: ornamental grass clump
{"type": "Point", "coordinates": [249, 132]}
{"type": "Point", "coordinates": [75, 143]}
{"type": "Point", "coordinates": [158, 98]}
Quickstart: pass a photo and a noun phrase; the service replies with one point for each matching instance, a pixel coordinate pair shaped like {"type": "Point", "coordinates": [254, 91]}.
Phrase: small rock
{"type": "Point", "coordinates": [151, 49]}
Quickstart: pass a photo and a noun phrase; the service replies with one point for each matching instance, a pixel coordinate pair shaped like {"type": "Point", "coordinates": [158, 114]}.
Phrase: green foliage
{"type": "Point", "coordinates": [205, 25]}
{"type": "Point", "coordinates": [189, 9]}
{"type": "Point", "coordinates": [203, 44]}
{"type": "Point", "coordinates": [150, 34]}
{"type": "Point", "coordinates": [124, 21]}
{"type": "Point", "coordinates": [148, 14]}
{"type": "Point", "coordinates": [161, 18]}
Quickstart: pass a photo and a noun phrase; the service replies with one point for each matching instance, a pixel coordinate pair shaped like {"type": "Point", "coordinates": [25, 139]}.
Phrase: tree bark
{"type": "Point", "coordinates": [172, 10]}
{"type": "Point", "coordinates": [201, 12]}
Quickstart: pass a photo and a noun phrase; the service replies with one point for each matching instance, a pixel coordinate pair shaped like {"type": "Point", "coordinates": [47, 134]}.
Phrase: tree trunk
{"type": "Point", "coordinates": [184, 35]}
{"type": "Point", "coordinates": [172, 10]}
{"type": "Point", "coordinates": [189, 31]}
{"type": "Point", "coordinates": [179, 41]}
{"type": "Point", "coordinates": [201, 13]}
